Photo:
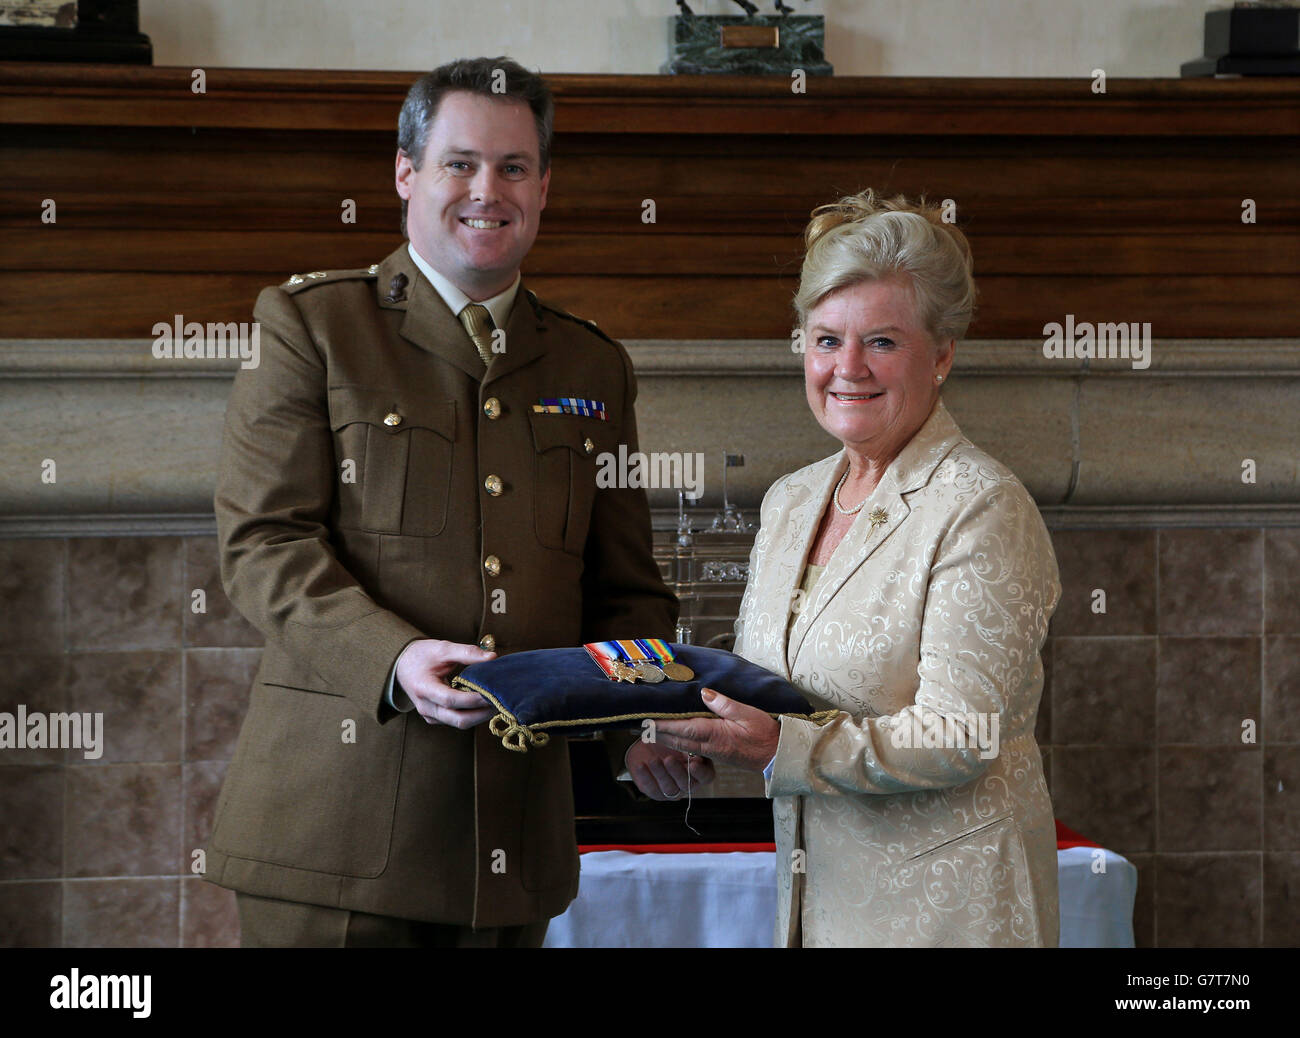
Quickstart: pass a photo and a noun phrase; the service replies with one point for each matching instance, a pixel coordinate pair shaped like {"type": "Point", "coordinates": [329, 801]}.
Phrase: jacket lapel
{"type": "Point", "coordinates": [884, 511]}
{"type": "Point", "coordinates": [525, 336]}
{"type": "Point", "coordinates": [881, 515]}
{"type": "Point", "coordinates": [793, 541]}
{"type": "Point", "coordinates": [430, 324]}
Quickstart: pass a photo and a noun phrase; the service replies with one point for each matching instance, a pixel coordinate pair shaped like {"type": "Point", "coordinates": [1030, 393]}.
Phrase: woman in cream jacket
{"type": "Point", "coordinates": [905, 582]}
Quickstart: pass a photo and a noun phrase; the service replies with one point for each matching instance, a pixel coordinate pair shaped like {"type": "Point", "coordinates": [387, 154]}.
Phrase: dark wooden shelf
{"type": "Point", "coordinates": [1123, 206]}
{"type": "Point", "coordinates": [305, 99]}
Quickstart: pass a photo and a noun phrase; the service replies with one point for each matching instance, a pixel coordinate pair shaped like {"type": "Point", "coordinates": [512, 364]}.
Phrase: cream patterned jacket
{"type": "Point", "coordinates": [896, 823]}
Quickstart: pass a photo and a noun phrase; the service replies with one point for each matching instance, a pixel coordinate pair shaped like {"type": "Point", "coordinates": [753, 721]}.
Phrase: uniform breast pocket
{"type": "Point", "coordinates": [395, 457]}
{"type": "Point", "coordinates": [564, 481]}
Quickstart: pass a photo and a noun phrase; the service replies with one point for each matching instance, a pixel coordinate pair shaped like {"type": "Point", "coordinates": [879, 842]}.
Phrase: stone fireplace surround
{"type": "Point", "coordinates": [1138, 475]}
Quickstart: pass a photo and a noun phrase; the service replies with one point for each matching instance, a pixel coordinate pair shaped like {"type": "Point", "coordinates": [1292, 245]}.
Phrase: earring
{"type": "Point", "coordinates": [938, 378]}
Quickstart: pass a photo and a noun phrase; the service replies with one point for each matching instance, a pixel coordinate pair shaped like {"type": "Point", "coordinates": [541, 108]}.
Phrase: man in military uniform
{"type": "Point", "coordinates": [392, 504]}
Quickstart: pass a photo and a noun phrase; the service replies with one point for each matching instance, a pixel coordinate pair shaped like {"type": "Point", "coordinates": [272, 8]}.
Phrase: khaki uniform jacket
{"type": "Point", "coordinates": [353, 518]}
{"type": "Point", "coordinates": [935, 605]}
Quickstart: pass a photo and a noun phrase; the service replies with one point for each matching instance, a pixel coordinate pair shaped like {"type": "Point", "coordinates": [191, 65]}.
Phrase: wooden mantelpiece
{"type": "Point", "coordinates": [1123, 206]}
{"type": "Point", "coordinates": [309, 99]}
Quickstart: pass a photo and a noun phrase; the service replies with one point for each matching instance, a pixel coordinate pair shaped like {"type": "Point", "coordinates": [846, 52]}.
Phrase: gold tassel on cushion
{"type": "Point", "coordinates": [515, 736]}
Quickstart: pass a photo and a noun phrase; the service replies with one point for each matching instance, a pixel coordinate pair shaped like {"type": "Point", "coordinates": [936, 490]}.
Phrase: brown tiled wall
{"type": "Point", "coordinates": [1141, 726]}
{"type": "Point", "coordinates": [1143, 718]}
{"type": "Point", "coordinates": [99, 852]}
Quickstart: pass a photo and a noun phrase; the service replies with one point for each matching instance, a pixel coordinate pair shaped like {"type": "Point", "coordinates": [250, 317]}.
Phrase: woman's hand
{"type": "Point", "coordinates": [665, 774]}
{"type": "Point", "coordinates": [740, 735]}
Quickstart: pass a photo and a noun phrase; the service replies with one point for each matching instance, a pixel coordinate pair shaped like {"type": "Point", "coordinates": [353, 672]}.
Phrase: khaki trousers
{"type": "Point", "coordinates": [269, 923]}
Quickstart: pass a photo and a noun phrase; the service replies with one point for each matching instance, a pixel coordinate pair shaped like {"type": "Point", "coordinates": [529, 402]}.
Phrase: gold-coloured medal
{"type": "Point", "coordinates": [678, 672]}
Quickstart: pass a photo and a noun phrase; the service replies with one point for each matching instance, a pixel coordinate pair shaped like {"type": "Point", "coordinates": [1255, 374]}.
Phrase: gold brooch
{"type": "Point", "coordinates": [877, 516]}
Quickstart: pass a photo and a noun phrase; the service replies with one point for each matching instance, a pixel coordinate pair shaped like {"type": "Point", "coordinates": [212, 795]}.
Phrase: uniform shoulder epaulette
{"type": "Point", "coordinates": [298, 282]}
{"type": "Point", "coordinates": [591, 326]}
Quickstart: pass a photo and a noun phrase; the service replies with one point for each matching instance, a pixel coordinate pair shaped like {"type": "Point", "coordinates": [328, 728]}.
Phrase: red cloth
{"type": "Point", "coordinates": [1065, 837]}
{"type": "Point", "coordinates": [676, 848]}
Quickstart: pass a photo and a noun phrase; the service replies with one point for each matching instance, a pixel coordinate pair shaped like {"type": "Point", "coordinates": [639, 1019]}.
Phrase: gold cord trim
{"type": "Point", "coordinates": [519, 737]}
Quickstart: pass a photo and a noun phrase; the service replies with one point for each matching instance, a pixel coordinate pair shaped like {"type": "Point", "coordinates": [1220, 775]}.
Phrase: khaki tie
{"type": "Point", "coordinates": [478, 322]}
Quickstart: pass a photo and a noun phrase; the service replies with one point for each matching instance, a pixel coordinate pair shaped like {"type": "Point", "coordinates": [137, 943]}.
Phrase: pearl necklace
{"type": "Point", "coordinates": [836, 498]}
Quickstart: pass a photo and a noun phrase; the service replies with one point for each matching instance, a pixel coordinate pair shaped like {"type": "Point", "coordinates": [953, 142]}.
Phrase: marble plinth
{"type": "Point", "coordinates": [695, 46]}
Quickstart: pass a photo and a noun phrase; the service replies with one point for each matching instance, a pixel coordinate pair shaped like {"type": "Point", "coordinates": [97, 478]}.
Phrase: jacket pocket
{"type": "Point", "coordinates": [972, 889]}
{"type": "Point", "coordinates": [970, 833]}
{"type": "Point", "coordinates": [401, 447]}
{"type": "Point", "coordinates": [308, 790]}
{"type": "Point", "coordinates": [568, 449]}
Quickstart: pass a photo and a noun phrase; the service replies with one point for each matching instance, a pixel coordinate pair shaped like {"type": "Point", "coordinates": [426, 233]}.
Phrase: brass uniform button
{"type": "Point", "coordinates": [487, 643]}
{"type": "Point", "coordinates": [492, 407]}
{"type": "Point", "coordinates": [494, 485]}
{"type": "Point", "coordinates": [587, 445]}
{"type": "Point", "coordinates": [392, 418]}
{"type": "Point", "coordinates": [493, 565]}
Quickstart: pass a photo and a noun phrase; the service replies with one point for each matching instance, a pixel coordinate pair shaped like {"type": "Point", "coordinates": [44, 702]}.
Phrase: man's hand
{"type": "Point", "coordinates": [422, 670]}
{"type": "Point", "coordinates": [661, 773]}
{"type": "Point", "coordinates": [741, 735]}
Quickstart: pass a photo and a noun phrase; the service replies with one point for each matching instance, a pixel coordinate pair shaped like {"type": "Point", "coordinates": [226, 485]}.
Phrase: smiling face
{"type": "Point", "coordinates": [474, 205]}
{"type": "Point", "coordinates": [870, 367]}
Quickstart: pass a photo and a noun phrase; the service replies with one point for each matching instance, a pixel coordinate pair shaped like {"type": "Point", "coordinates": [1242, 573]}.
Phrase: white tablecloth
{"type": "Point", "coordinates": [1096, 905]}
{"type": "Point", "coordinates": [710, 900]}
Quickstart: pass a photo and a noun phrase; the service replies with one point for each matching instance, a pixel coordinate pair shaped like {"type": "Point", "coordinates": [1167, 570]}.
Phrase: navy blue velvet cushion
{"type": "Point", "coordinates": [564, 690]}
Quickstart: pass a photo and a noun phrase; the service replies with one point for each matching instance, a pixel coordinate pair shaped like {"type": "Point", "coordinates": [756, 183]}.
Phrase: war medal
{"type": "Point", "coordinates": [623, 672]}
{"type": "Point", "coordinates": [638, 659]}
{"type": "Point", "coordinates": [649, 672]}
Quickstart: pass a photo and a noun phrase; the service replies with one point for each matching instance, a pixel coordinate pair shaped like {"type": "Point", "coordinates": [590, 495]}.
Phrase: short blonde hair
{"type": "Point", "coordinates": [865, 238]}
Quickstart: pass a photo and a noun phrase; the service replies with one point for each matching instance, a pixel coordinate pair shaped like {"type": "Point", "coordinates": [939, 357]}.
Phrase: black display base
{"type": "Point", "coordinates": [22, 44]}
{"type": "Point", "coordinates": [1249, 41]}
{"type": "Point", "coordinates": [1234, 66]}
{"type": "Point", "coordinates": [607, 811]}
{"type": "Point", "coordinates": [718, 819]}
